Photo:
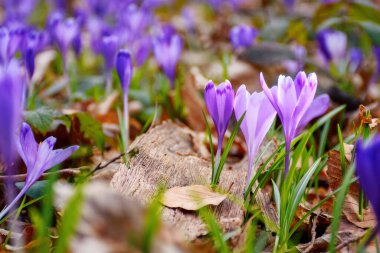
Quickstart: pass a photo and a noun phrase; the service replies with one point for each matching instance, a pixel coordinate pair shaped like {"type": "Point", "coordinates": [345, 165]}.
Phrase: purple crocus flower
{"type": "Point", "coordinates": [167, 48]}
{"type": "Point", "coordinates": [219, 102]}
{"type": "Point", "coordinates": [125, 71]}
{"type": "Point", "coordinates": [367, 168]}
{"type": "Point", "coordinates": [109, 46]}
{"type": "Point", "coordinates": [291, 101]}
{"type": "Point", "coordinates": [332, 45]}
{"type": "Point", "coordinates": [242, 36]}
{"type": "Point", "coordinates": [38, 158]}
{"type": "Point", "coordinates": [259, 117]}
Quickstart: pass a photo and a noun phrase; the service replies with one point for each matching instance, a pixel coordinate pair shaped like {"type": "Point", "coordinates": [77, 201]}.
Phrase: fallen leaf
{"type": "Point", "coordinates": [192, 197]}
{"type": "Point", "coordinates": [351, 202]}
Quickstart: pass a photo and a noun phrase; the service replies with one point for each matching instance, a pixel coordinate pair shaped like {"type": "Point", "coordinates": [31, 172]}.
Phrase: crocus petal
{"type": "Point", "coordinates": [318, 107]}
{"type": "Point", "coordinates": [210, 100]}
{"type": "Point", "coordinates": [57, 156]}
{"type": "Point", "coordinates": [367, 160]}
{"type": "Point", "coordinates": [241, 105]}
{"type": "Point", "coordinates": [286, 100]}
{"type": "Point", "coordinates": [27, 147]}
{"type": "Point", "coordinates": [44, 150]}
{"type": "Point", "coordinates": [124, 69]}
{"type": "Point", "coordinates": [305, 99]}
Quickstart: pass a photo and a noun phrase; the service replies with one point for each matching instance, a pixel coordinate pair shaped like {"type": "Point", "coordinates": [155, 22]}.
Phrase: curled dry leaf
{"type": "Point", "coordinates": [351, 203]}
{"type": "Point", "coordinates": [192, 197]}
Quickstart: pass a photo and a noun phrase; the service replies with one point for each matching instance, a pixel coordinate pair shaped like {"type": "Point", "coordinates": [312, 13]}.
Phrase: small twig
{"type": "Point", "coordinates": [64, 173]}
{"type": "Point", "coordinates": [100, 166]}
{"type": "Point", "coordinates": [313, 233]}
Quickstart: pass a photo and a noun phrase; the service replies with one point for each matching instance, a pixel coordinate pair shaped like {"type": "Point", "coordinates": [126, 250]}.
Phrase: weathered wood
{"type": "Point", "coordinates": [173, 155]}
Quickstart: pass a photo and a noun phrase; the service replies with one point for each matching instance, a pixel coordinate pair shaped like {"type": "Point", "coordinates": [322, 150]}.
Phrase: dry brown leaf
{"type": "Point", "coordinates": [351, 203]}
{"type": "Point", "coordinates": [192, 197]}
{"type": "Point", "coordinates": [194, 103]}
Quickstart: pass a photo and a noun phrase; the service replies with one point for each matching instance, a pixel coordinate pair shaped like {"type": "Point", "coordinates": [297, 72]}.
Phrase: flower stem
{"type": "Point", "coordinates": [287, 156]}
{"type": "Point", "coordinates": [126, 121]}
{"type": "Point", "coordinates": [249, 175]}
{"type": "Point", "coordinates": [108, 82]}
{"type": "Point", "coordinates": [217, 161]}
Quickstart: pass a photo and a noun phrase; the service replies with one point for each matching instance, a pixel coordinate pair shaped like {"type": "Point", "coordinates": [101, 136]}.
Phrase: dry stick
{"type": "Point", "coordinates": [313, 233]}
{"type": "Point", "coordinates": [64, 173]}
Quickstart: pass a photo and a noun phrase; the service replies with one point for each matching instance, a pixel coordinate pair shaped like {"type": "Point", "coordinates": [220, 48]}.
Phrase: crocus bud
{"type": "Point", "coordinates": [124, 69]}
{"type": "Point", "coordinates": [259, 117]}
{"type": "Point", "coordinates": [291, 101]}
{"type": "Point", "coordinates": [242, 36]}
{"type": "Point", "coordinates": [219, 102]}
{"type": "Point", "coordinates": [367, 168]}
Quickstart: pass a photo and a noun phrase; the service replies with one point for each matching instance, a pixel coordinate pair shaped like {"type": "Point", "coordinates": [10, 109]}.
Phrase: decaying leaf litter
{"type": "Point", "coordinates": [189, 126]}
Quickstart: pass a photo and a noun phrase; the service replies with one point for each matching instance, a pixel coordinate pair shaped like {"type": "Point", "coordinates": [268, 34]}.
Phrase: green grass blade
{"type": "Point", "coordinates": [70, 220]}
{"type": "Point", "coordinates": [215, 231]}
{"type": "Point", "coordinates": [338, 207]}
{"type": "Point", "coordinates": [227, 149]}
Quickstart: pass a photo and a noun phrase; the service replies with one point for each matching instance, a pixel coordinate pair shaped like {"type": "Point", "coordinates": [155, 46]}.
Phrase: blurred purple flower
{"type": "Point", "coordinates": [220, 104]}
{"type": "Point", "coordinates": [32, 43]}
{"type": "Point", "coordinates": [289, 4]}
{"type": "Point", "coordinates": [167, 48]}
{"type": "Point", "coordinates": [291, 101]}
{"type": "Point", "coordinates": [38, 158]}
{"type": "Point", "coordinates": [124, 69]}
{"type": "Point", "coordinates": [317, 108]}
{"type": "Point", "coordinates": [332, 45]}
{"type": "Point", "coordinates": [142, 51]}
{"type": "Point", "coordinates": [259, 117]}
{"type": "Point", "coordinates": [242, 36]}
{"type": "Point", "coordinates": [367, 168]}
{"type": "Point", "coordinates": [12, 89]}
{"type": "Point", "coordinates": [355, 59]}
{"type": "Point", "coordinates": [109, 46]}
{"type": "Point", "coordinates": [135, 20]}
{"type": "Point", "coordinates": [18, 9]}
{"type": "Point", "coordinates": [10, 40]}
{"type": "Point", "coordinates": [297, 64]}
{"type": "Point", "coordinates": [65, 33]}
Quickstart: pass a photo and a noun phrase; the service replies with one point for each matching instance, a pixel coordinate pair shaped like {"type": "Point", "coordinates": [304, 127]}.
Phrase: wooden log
{"type": "Point", "coordinates": [173, 155]}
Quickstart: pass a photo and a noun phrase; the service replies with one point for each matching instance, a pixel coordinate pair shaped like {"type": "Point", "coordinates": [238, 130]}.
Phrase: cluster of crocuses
{"type": "Point", "coordinates": [292, 101]}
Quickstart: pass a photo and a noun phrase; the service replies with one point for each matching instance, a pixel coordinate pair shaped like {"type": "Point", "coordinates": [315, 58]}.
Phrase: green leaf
{"type": "Point", "coordinates": [40, 119]}
{"type": "Point", "coordinates": [91, 129]}
{"type": "Point", "coordinates": [37, 190]}
{"type": "Point", "coordinates": [338, 207]}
